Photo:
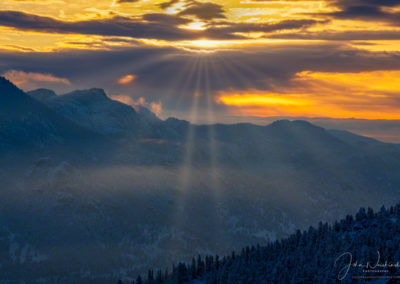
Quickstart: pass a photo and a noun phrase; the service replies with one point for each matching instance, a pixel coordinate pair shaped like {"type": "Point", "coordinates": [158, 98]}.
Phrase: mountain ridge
{"type": "Point", "coordinates": [28, 125]}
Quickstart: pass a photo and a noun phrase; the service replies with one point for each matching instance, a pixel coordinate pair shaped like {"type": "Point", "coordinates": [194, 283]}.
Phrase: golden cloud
{"type": "Point", "coordinates": [126, 79]}
{"type": "Point", "coordinates": [369, 95]}
{"type": "Point", "coordinates": [21, 78]}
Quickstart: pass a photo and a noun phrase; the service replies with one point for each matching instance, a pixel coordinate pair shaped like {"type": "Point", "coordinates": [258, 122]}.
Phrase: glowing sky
{"type": "Point", "coordinates": [252, 58]}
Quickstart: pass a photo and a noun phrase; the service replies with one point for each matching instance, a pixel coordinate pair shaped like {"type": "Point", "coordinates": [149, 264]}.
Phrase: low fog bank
{"type": "Point", "coordinates": [64, 221]}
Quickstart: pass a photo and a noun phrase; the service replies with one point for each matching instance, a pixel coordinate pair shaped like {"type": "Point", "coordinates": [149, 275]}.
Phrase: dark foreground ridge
{"type": "Point", "coordinates": [318, 255]}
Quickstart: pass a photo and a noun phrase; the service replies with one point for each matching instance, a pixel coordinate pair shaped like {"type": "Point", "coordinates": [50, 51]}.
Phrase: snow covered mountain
{"type": "Point", "coordinates": [158, 191]}
{"type": "Point", "coordinates": [27, 125]}
{"type": "Point", "coordinates": [94, 110]}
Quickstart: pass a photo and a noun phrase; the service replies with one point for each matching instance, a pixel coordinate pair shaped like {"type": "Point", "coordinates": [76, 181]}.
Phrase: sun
{"type": "Point", "coordinates": [195, 25]}
{"type": "Point", "coordinates": [208, 45]}
{"type": "Point", "coordinates": [205, 43]}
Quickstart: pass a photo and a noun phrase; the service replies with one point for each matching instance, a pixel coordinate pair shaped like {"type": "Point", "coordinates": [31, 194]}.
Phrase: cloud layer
{"type": "Point", "coordinates": [32, 80]}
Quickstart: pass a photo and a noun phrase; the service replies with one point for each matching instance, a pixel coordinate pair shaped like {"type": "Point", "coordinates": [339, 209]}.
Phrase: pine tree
{"type": "Point", "coordinates": [304, 257]}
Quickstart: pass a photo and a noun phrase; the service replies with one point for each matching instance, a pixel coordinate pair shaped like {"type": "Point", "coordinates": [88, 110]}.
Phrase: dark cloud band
{"type": "Point", "coordinates": [367, 10]}
{"type": "Point", "coordinates": [149, 26]}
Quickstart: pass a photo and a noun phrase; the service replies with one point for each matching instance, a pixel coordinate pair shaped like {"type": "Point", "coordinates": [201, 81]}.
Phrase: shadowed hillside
{"type": "Point", "coordinates": [353, 250]}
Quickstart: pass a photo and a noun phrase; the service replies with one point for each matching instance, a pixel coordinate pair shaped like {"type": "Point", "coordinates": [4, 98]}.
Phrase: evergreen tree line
{"type": "Point", "coordinates": [317, 255]}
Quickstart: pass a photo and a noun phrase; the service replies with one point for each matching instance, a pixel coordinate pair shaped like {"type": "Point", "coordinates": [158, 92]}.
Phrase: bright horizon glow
{"type": "Point", "coordinates": [364, 95]}
{"type": "Point", "coordinates": [206, 43]}
{"type": "Point", "coordinates": [259, 100]}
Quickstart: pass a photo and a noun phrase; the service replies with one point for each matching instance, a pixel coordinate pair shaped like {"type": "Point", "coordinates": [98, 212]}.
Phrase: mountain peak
{"type": "Point", "coordinates": [97, 92]}
{"type": "Point", "coordinates": [9, 93]}
{"type": "Point", "coordinates": [87, 96]}
{"type": "Point", "coordinates": [5, 82]}
{"type": "Point", "coordinates": [42, 94]}
{"type": "Point", "coordinates": [7, 86]}
{"type": "Point", "coordinates": [93, 109]}
{"type": "Point", "coordinates": [298, 124]}
{"type": "Point", "coordinates": [280, 123]}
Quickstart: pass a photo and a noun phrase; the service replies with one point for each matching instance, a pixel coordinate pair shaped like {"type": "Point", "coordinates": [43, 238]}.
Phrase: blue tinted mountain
{"type": "Point", "coordinates": [27, 125]}
{"type": "Point", "coordinates": [94, 110]}
{"type": "Point", "coordinates": [41, 94]}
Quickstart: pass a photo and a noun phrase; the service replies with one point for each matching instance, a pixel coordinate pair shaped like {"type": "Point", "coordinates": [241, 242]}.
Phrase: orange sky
{"type": "Point", "coordinates": [372, 95]}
